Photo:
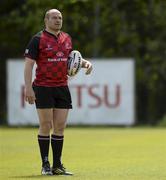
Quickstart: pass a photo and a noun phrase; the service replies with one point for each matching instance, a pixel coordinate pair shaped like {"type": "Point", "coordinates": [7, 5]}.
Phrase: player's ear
{"type": "Point", "coordinates": [45, 20]}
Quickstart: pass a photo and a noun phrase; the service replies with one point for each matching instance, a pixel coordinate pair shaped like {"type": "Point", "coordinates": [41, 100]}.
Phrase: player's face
{"type": "Point", "coordinates": [54, 21]}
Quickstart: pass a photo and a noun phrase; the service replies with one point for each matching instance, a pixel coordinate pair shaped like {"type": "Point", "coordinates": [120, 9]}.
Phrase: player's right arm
{"type": "Point", "coordinates": [29, 93]}
{"type": "Point", "coordinates": [31, 54]}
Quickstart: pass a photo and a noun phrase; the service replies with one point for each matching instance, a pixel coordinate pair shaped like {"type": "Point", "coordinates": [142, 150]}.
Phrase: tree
{"type": "Point", "coordinates": [117, 28]}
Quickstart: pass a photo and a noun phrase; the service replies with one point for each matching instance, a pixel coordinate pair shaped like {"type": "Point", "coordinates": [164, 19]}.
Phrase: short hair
{"type": "Point", "coordinates": [49, 11]}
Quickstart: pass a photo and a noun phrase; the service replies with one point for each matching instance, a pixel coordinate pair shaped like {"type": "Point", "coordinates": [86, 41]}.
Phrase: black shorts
{"type": "Point", "coordinates": [52, 97]}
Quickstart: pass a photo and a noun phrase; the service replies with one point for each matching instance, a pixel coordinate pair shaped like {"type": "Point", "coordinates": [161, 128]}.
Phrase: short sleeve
{"type": "Point", "coordinates": [32, 49]}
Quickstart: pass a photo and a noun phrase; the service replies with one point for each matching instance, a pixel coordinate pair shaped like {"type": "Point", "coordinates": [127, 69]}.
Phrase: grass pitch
{"type": "Point", "coordinates": [90, 153]}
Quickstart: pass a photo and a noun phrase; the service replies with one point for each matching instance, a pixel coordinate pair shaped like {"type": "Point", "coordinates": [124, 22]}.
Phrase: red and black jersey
{"type": "Point", "coordinates": [51, 54]}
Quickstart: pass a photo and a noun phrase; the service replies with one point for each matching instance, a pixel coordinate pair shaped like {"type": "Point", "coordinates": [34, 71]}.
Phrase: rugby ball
{"type": "Point", "coordinates": [74, 63]}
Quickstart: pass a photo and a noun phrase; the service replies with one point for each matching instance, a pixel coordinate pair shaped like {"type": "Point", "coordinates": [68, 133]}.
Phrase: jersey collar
{"type": "Point", "coordinates": [52, 34]}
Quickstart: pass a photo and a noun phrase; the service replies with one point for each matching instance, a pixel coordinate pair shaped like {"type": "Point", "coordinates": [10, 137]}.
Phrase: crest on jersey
{"type": "Point", "coordinates": [59, 54]}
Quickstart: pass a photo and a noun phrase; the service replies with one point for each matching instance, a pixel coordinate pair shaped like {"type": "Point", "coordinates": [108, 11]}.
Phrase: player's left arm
{"type": "Point", "coordinates": [88, 65]}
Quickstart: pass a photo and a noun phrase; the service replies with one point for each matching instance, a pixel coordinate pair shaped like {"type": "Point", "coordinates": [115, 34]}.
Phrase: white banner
{"type": "Point", "coordinates": [104, 97]}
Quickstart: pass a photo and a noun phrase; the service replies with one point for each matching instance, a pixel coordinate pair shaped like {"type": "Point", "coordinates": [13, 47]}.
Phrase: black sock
{"type": "Point", "coordinates": [57, 145]}
{"type": "Point", "coordinates": [44, 142]}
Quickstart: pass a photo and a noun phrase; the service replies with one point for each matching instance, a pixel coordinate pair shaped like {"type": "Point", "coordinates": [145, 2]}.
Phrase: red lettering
{"type": "Point", "coordinates": [79, 94]}
{"type": "Point", "coordinates": [99, 93]}
{"type": "Point", "coordinates": [95, 96]}
{"type": "Point", "coordinates": [117, 96]}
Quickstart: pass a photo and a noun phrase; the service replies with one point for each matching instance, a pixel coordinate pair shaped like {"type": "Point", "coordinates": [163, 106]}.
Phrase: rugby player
{"type": "Point", "coordinates": [50, 49]}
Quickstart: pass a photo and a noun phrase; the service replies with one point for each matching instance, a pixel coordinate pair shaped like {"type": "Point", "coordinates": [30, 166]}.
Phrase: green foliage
{"type": "Point", "coordinates": [162, 123]}
{"type": "Point", "coordinates": [117, 28]}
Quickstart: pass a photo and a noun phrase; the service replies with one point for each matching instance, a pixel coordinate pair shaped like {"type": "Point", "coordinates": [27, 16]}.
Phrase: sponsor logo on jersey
{"type": "Point", "coordinates": [49, 48]}
{"type": "Point", "coordinates": [56, 59]}
{"type": "Point", "coordinates": [68, 45]}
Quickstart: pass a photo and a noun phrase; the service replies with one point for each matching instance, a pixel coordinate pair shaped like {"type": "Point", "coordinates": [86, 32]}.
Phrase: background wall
{"type": "Point", "coordinates": [106, 97]}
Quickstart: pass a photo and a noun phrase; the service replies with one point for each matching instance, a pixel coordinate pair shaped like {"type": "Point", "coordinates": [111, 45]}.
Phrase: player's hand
{"type": "Point", "coordinates": [88, 66]}
{"type": "Point", "coordinates": [29, 95]}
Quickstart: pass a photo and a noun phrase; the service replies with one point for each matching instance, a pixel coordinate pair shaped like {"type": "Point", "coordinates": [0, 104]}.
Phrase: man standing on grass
{"type": "Point", "coordinates": [50, 90]}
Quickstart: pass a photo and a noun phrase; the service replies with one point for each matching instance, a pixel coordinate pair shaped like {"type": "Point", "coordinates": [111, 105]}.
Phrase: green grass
{"type": "Point", "coordinates": [91, 153]}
